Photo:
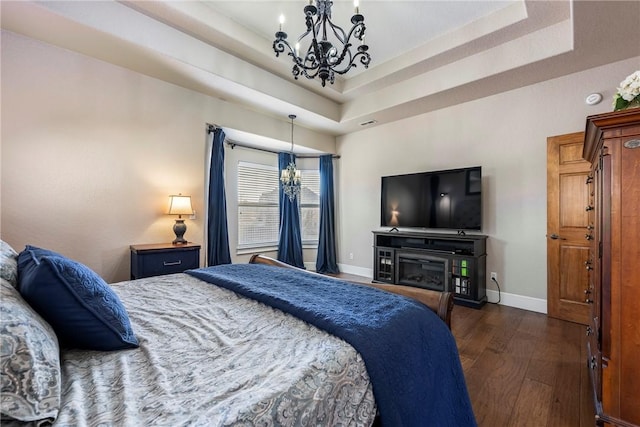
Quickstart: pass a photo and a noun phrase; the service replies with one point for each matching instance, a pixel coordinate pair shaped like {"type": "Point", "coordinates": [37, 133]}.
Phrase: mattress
{"type": "Point", "coordinates": [208, 356]}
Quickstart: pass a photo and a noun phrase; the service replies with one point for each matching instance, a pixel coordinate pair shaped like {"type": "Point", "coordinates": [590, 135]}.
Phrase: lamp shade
{"type": "Point", "coordinates": [180, 205]}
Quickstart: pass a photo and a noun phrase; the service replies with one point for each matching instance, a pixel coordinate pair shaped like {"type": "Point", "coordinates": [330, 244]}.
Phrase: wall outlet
{"type": "Point", "coordinates": [350, 255]}
{"type": "Point", "coordinates": [494, 276]}
{"type": "Point", "coordinates": [193, 216]}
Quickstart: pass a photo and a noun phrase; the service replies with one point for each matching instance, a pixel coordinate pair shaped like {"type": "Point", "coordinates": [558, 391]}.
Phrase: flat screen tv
{"type": "Point", "coordinates": [447, 199]}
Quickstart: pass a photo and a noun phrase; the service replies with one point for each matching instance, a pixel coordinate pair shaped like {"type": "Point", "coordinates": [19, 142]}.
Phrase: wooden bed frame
{"type": "Point", "coordinates": [440, 302]}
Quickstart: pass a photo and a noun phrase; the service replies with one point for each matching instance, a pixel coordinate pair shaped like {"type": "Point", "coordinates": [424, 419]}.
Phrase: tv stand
{"type": "Point", "coordinates": [453, 263]}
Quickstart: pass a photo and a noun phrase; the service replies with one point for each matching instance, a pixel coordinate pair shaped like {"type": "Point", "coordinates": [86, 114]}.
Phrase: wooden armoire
{"type": "Point", "coordinates": [612, 145]}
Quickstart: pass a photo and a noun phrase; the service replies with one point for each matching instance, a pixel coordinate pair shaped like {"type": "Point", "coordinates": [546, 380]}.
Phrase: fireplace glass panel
{"type": "Point", "coordinates": [423, 272]}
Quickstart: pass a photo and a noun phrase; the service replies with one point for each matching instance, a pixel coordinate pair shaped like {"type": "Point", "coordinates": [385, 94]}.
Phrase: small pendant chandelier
{"type": "Point", "coordinates": [324, 57]}
{"type": "Point", "coordinates": [291, 177]}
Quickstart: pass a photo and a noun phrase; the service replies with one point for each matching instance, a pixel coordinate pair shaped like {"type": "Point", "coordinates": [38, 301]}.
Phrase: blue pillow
{"type": "Point", "coordinates": [24, 261]}
{"type": "Point", "coordinates": [82, 309]}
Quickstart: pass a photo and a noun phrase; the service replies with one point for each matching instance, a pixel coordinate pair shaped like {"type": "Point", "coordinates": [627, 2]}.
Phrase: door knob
{"type": "Point", "coordinates": [556, 237]}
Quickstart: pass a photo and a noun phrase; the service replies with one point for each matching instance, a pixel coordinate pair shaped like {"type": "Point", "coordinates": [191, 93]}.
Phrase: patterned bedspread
{"type": "Point", "coordinates": [209, 357]}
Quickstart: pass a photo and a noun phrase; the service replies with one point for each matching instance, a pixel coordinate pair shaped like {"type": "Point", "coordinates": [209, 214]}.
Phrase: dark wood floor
{"type": "Point", "coordinates": [522, 368]}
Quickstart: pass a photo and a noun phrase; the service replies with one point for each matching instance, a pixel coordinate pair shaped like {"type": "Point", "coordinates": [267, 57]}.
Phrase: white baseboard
{"type": "Point", "coordinates": [360, 271]}
{"type": "Point", "coordinates": [345, 268]}
{"type": "Point", "coordinates": [538, 305]}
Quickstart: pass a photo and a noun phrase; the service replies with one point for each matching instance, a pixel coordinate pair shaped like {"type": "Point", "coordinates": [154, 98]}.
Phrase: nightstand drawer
{"type": "Point", "coordinates": [156, 260]}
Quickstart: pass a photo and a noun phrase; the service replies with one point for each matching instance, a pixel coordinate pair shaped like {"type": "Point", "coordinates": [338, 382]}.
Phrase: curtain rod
{"type": "Point", "coordinates": [234, 144]}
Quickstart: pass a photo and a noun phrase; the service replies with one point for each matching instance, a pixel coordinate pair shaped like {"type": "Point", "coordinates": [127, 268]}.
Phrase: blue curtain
{"type": "Point", "coordinates": [290, 239]}
{"type": "Point", "coordinates": [218, 233]}
{"type": "Point", "coordinates": [326, 261]}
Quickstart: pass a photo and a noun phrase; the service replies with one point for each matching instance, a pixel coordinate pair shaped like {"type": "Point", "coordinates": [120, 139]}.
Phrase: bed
{"type": "Point", "coordinates": [189, 352]}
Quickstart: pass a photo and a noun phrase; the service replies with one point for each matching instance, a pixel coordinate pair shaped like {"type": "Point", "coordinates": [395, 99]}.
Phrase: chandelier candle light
{"type": "Point", "coordinates": [291, 177]}
{"type": "Point", "coordinates": [323, 58]}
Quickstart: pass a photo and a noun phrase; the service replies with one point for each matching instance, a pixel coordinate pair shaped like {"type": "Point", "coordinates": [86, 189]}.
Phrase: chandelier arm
{"type": "Point", "coordinates": [344, 53]}
{"type": "Point", "coordinates": [317, 29]}
{"type": "Point", "coordinates": [310, 56]}
{"type": "Point", "coordinates": [299, 60]}
{"type": "Point", "coordinates": [305, 72]}
{"type": "Point", "coordinates": [365, 58]}
{"type": "Point", "coordinates": [346, 69]}
{"type": "Point", "coordinates": [310, 72]}
{"type": "Point", "coordinates": [303, 35]}
{"type": "Point", "coordinates": [357, 31]}
{"type": "Point", "coordinates": [303, 68]}
{"type": "Point", "coordinates": [315, 50]}
{"type": "Point", "coordinates": [362, 54]}
{"type": "Point", "coordinates": [279, 46]}
{"type": "Point", "coordinates": [339, 32]}
{"type": "Point", "coordinates": [308, 19]}
{"type": "Point", "coordinates": [295, 71]}
{"type": "Point", "coordinates": [309, 22]}
{"type": "Point", "coordinates": [309, 63]}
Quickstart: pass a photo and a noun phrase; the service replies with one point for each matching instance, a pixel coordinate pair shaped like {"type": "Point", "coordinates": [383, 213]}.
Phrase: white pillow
{"type": "Point", "coordinates": [8, 264]}
{"type": "Point", "coordinates": [30, 361]}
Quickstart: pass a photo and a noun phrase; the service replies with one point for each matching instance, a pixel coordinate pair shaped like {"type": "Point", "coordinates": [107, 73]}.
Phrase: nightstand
{"type": "Point", "coordinates": [163, 258]}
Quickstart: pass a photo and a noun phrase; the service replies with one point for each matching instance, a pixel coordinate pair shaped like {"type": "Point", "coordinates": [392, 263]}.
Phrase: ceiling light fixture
{"type": "Point", "coordinates": [291, 177]}
{"type": "Point", "coordinates": [322, 57]}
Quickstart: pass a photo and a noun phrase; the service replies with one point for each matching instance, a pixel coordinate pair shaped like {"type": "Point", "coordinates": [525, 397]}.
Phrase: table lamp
{"type": "Point", "coordinates": [180, 205]}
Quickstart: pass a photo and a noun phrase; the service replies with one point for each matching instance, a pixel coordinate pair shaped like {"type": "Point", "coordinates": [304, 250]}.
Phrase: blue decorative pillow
{"type": "Point", "coordinates": [80, 306]}
{"type": "Point", "coordinates": [35, 252]}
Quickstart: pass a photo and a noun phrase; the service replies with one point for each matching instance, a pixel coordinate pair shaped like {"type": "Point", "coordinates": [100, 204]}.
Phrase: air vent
{"type": "Point", "coordinates": [370, 122]}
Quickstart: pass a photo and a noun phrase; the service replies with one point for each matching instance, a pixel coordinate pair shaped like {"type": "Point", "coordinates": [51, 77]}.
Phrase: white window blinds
{"type": "Point", "coordinates": [258, 213]}
{"type": "Point", "coordinates": [258, 219]}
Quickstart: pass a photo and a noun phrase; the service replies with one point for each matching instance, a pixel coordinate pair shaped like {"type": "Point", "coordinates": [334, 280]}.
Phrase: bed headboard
{"type": "Point", "coordinates": [440, 302]}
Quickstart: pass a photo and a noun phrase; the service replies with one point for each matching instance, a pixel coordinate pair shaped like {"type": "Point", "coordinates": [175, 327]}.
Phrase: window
{"type": "Point", "coordinates": [310, 207]}
{"type": "Point", "coordinates": [258, 211]}
{"type": "Point", "coordinates": [258, 217]}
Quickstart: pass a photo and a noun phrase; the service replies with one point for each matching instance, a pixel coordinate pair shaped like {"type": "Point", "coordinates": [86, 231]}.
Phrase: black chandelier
{"type": "Point", "coordinates": [324, 58]}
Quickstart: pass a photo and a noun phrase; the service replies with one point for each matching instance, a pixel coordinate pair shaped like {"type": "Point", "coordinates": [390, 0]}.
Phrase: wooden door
{"type": "Point", "coordinates": [567, 228]}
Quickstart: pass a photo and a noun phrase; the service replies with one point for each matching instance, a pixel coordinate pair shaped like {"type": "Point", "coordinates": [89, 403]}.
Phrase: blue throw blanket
{"type": "Point", "coordinates": [410, 354]}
